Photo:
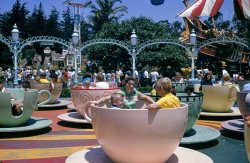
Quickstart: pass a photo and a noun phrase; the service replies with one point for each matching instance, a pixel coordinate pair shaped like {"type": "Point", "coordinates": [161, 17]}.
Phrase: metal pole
{"type": "Point", "coordinates": [133, 62]}
{"type": "Point", "coordinates": [192, 63]}
{"type": "Point", "coordinates": [75, 76]}
{"type": "Point", "coordinates": [15, 66]}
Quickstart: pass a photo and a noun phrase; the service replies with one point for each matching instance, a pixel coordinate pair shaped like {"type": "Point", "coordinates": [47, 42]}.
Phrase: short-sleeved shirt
{"type": "Point", "coordinates": [129, 99]}
{"type": "Point", "coordinates": [169, 101]}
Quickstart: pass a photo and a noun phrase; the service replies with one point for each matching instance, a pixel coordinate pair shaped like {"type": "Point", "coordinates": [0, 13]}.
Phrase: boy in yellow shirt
{"type": "Point", "coordinates": [163, 88]}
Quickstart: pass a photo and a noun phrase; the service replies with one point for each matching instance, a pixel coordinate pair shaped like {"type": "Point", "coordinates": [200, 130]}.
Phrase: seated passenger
{"type": "Point", "coordinates": [17, 105]}
{"type": "Point", "coordinates": [2, 88]}
{"type": "Point", "coordinates": [178, 78]}
{"type": "Point", "coordinates": [43, 78]}
{"type": "Point", "coordinates": [227, 80]}
{"type": "Point", "coordinates": [87, 85]}
{"type": "Point", "coordinates": [189, 90]}
{"type": "Point", "coordinates": [100, 83]}
{"type": "Point", "coordinates": [163, 88]}
{"type": "Point", "coordinates": [117, 100]}
{"type": "Point", "coordinates": [131, 95]}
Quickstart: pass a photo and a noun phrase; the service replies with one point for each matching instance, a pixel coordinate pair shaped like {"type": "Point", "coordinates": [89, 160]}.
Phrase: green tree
{"type": "Point", "coordinates": [17, 15]}
{"type": "Point", "coordinates": [37, 21]}
{"type": "Point", "coordinates": [110, 56]}
{"type": "Point", "coordinates": [67, 24]}
{"type": "Point", "coordinates": [105, 11]}
{"type": "Point", "coordinates": [242, 28]}
{"type": "Point", "coordinates": [52, 24]}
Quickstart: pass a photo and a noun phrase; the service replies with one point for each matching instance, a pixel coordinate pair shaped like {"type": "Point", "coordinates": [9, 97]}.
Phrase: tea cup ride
{"type": "Point", "coordinates": [25, 121]}
{"type": "Point", "coordinates": [55, 92]}
{"type": "Point", "coordinates": [219, 101]}
{"type": "Point", "coordinates": [81, 98]}
{"type": "Point", "coordinates": [137, 135]}
{"type": "Point", "coordinates": [196, 133]}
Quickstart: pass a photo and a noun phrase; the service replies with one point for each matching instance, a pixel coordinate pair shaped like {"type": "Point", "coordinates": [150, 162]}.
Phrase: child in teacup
{"type": "Point", "coordinates": [189, 90]}
{"type": "Point", "coordinates": [17, 105]}
{"type": "Point", "coordinates": [117, 100]}
{"type": "Point", "coordinates": [163, 88]}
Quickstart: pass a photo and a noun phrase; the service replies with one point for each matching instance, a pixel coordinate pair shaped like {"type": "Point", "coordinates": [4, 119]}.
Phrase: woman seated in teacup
{"type": "Point", "coordinates": [131, 95]}
{"type": "Point", "coordinates": [163, 88]}
{"type": "Point", "coordinates": [207, 80]}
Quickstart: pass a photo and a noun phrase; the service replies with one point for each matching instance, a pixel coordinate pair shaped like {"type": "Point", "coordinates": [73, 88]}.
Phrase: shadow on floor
{"type": "Point", "coordinates": [198, 146]}
{"type": "Point", "coordinates": [75, 125]}
{"type": "Point", "coordinates": [232, 134]}
{"type": "Point", "coordinates": [25, 133]}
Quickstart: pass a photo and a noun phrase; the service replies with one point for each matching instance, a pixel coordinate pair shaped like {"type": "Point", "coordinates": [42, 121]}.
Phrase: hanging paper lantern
{"type": "Point", "coordinates": [157, 2]}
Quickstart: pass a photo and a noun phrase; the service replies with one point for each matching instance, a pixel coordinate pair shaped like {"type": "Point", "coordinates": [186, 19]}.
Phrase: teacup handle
{"type": "Point", "coordinates": [86, 111]}
{"type": "Point", "coordinates": [46, 101]}
{"type": "Point", "coordinates": [231, 97]}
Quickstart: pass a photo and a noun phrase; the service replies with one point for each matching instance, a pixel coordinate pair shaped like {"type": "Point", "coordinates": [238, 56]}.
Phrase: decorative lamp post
{"type": "Point", "coordinates": [15, 39]}
{"type": "Point", "coordinates": [240, 59]}
{"type": "Point", "coordinates": [133, 40]}
{"type": "Point", "coordinates": [47, 51]}
{"type": "Point", "coordinates": [75, 40]}
{"type": "Point", "coordinates": [193, 41]}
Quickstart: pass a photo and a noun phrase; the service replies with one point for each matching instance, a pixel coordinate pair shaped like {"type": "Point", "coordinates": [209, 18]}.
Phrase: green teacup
{"type": "Point", "coordinates": [18, 94]}
{"type": "Point", "coordinates": [194, 102]}
{"type": "Point", "coordinates": [29, 104]}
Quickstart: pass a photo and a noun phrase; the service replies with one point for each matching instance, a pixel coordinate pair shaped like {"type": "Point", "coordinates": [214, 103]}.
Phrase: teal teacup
{"type": "Point", "coordinates": [194, 102]}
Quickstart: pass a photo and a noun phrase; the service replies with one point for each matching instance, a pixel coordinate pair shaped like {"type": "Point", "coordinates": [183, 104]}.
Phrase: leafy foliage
{"type": "Point", "coordinates": [105, 11]}
{"type": "Point", "coordinates": [110, 57]}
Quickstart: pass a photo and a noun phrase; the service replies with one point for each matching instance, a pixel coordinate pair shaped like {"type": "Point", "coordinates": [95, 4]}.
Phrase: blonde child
{"type": "Point", "coordinates": [117, 100]}
{"type": "Point", "coordinates": [163, 88]}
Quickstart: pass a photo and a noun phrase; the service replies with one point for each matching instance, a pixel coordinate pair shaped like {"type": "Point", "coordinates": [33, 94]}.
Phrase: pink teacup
{"type": "Point", "coordinates": [138, 135]}
{"type": "Point", "coordinates": [80, 96]}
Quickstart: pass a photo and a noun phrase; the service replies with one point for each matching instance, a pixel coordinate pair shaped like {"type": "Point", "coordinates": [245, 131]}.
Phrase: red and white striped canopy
{"type": "Point", "coordinates": [242, 9]}
{"type": "Point", "coordinates": [202, 8]}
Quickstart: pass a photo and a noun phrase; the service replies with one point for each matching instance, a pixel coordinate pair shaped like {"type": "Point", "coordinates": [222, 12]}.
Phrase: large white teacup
{"type": "Point", "coordinates": [138, 135]}
{"type": "Point", "coordinates": [55, 92]}
{"type": "Point", "coordinates": [80, 96]}
{"type": "Point", "coordinates": [219, 99]}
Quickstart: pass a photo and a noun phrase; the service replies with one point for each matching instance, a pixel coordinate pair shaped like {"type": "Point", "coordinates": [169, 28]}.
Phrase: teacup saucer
{"type": "Point", "coordinates": [97, 155]}
{"type": "Point", "coordinates": [235, 111]}
{"type": "Point", "coordinates": [200, 134]}
{"type": "Point", "coordinates": [236, 125]}
{"type": "Point", "coordinates": [59, 103]}
{"type": "Point", "coordinates": [73, 117]}
{"type": "Point", "coordinates": [71, 106]}
{"type": "Point", "coordinates": [34, 123]}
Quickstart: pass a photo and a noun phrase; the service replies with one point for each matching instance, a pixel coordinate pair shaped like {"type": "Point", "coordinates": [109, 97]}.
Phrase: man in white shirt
{"type": "Point", "coordinates": [154, 76]}
{"type": "Point", "coordinates": [146, 77]}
